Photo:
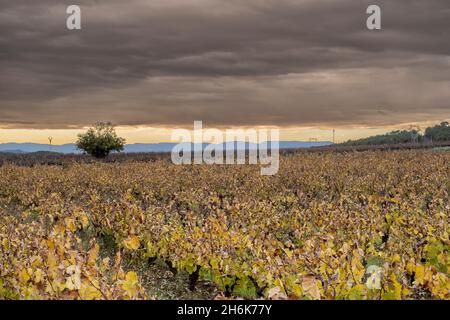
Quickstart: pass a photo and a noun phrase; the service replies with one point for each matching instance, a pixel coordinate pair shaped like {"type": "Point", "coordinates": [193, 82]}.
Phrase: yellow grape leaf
{"type": "Point", "coordinates": [105, 265]}
{"type": "Point", "coordinates": [357, 267]}
{"type": "Point", "coordinates": [214, 263]}
{"type": "Point", "coordinates": [191, 267]}
{"type": "Point", "coordinates": [130, 285]}
{"type": "Point", "coordinates": [397, 288]}
{"type": "Point", "coordinates": [419, 272]}
{"type": "Point", "coordinates": [394, 290]}
{"type": "Point", "coordinates": [38, 276]}
{"type": "Point", "coordinates": [36, 261]}
{"type": "Point", "coordinates": [89, 292]}
{"type": "Point", "coordinates": [132, 243]}
{"type": "Point", "coordinates": [51, 244]}
{"type": "Point", "coordinates": [405, 291]}
{"type": "Point", "coordinates": [151, 249]}
{"type": "Point", "coordinates": [93, 254]}
{"type": "Point", "coordinates": [288, 252]}
{"type": "Point", "coordinates": [5, 244]}
{"type": "Point", "coordinates": [279, 283]}
{"type": "Point", "coordinates": [297, 290]}
{"type": "Point", "coordinates": [24, 276]}
{"type": "Point", "coordinates": [345, 248]}
{"type": "Point", "coordinates": [31, 293]}
{"type": "Point", "coordinates": [356, 293]}
{"type": "Point", "coordinates": [84, 221]}
{"type": "Point", "coordinates": [70, 224]}
{"type": "Point", "coordinates": [410, 267]}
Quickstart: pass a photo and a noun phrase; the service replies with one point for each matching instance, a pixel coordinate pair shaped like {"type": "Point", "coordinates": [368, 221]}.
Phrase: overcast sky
{"type": "Point", "coordinates": [290, 63]}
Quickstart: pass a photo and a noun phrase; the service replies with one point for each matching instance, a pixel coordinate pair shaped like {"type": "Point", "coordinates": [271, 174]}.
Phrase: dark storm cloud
{"type": "Point", "coordinates": [169, 62]}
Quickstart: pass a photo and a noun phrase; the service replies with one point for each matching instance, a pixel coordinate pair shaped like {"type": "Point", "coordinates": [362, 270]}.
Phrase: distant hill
{"type": "Point", "coordinates": [36, 147]}
{"type": "Point", "coordinates": [143, 147]}
{"type": "Point", "coordinates": [12, 151]}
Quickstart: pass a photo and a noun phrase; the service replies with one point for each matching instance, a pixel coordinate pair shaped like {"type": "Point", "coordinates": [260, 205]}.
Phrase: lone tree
{"type": "Point", "coordinates": [100, 140]}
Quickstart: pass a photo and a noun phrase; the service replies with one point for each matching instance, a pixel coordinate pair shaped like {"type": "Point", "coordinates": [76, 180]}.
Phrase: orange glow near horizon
{"type": "Point", "coordinates": [156, 135]}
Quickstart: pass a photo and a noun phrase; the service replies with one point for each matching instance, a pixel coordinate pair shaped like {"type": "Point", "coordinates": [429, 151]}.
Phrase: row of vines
{"type": "Point", "coordinates": [371, 225]}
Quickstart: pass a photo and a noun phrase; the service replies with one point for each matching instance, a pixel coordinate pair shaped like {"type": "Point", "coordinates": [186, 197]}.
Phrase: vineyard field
{"type": "Point", "coordinates": [349, 225]}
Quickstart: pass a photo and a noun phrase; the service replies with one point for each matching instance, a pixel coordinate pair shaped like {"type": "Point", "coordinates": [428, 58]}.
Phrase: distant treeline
{"type": "Point", "coordinates": [438, 133]}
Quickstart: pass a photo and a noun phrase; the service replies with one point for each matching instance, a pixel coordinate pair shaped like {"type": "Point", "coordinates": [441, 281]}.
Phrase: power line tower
{"type": "Point", "coordinates": [50, 139]}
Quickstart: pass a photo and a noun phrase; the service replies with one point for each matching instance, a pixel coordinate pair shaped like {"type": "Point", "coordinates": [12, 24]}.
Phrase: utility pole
{"type": "Point", "coordinates": [334, 135]}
